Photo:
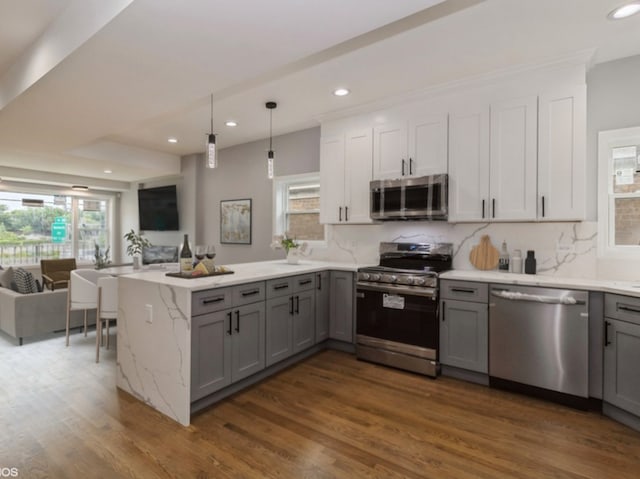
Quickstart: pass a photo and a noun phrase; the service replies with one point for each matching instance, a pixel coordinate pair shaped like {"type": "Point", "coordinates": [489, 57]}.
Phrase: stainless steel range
{"type": "Point", "coordinates": [397, 306]}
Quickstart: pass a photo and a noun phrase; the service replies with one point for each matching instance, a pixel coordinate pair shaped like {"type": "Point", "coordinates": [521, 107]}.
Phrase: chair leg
{"type": "Point", "coordinates": [98, 339]}
{"type": "Point", "coordinates": [98, 325]}
{"type": "Point", "coordinates": [107, 333]}
{"type": "Point", "coordinates": [85, 323]}
{"type": "Point", "coordinates": [68, 312]}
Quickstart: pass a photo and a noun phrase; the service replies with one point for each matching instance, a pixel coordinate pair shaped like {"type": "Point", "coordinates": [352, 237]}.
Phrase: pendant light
{"type": "Point", "coordinates": [212, 158]}
{"type": "Point", "coordinates": [271, 105]}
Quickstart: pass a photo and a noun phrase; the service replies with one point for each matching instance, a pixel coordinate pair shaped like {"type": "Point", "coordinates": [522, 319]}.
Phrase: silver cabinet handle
{"type": "Point", "coordinates": [515, 296]}
{"type": "Point", "coordinates": [628, 309]}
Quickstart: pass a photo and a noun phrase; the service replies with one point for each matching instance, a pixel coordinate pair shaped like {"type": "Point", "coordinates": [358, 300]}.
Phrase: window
{"type": "Point", "coordinates": [42, 225]}
{"type": "Point", "coordinates": [619, 201]}
{"type": "Point", "coordinates": [297, 207]}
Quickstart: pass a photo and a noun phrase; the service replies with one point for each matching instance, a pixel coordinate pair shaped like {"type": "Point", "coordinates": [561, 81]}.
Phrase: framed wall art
{"type": "Point", "coordinates": [235, 221]}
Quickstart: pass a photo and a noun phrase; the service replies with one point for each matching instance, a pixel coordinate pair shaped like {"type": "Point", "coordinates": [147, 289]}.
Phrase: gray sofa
{"type": "Point", "coordinates": [26, 315]}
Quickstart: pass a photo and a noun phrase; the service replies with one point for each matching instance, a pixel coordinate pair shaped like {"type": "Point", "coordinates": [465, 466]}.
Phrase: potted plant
{"type": "Point", "coordinates": [134, 249]}
{"type": "Point", "coordinates": [291, 247]}
{"type": "Point", "coordinates": [101, 260]}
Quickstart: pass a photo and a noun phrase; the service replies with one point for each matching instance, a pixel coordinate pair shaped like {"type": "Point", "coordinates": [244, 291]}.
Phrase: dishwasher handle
{"type": "Point", "coordinates": [535, 298]}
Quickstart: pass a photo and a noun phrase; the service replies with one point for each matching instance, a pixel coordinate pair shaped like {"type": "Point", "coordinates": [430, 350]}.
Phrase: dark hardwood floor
{"type": "Point", "coordinates": [61, 416]}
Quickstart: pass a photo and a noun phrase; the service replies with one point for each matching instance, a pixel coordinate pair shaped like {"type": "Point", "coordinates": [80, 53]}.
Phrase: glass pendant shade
{"type": "Point", "coordinates": [271, 105]}
{"type": "Point", "coordinates": [212, 158]}
{"type": "Point", "coordinates": [270, 164]}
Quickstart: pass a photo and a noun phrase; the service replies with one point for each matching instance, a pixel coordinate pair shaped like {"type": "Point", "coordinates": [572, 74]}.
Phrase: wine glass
{"type": "Point", "coordinates": [210, 252]}
{"type": "Point", "coordinates": [200, 253]}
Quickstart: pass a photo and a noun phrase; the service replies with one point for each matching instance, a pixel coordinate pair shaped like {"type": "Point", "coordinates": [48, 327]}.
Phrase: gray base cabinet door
{"type": "Point", "coordinates": [304, 323]}
{"type": "Point", "coordinates": [210, 354]}
{"type": "Point", "coordinates": [464, 335]}
{"type": "Point", "coordinates": [322, 306]}
{"type": "Point", "coordinates": [341, 306]}
{"type": "Point", "coordinates": [622, 365]}
{"type": "Point", "coordinates": [248, 341]}
{"type": "Point", "coordinates": [279, 329]}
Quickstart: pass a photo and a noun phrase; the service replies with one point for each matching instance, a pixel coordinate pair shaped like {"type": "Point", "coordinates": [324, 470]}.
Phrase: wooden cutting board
{"type": "Point", "coordinates": [484, 255]}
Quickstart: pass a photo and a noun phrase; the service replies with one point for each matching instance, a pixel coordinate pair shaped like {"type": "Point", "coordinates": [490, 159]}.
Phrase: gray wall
{"type": "Point", "coordinates": [613, 101]}
{"type": "Point", "coordinates": [186, 209]}
{"type": "Point", "coordinates": [242, 173]}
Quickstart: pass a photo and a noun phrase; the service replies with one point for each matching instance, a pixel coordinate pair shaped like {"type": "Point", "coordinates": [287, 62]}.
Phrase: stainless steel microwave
{"type": "Point", "coordinates": [421, 198]}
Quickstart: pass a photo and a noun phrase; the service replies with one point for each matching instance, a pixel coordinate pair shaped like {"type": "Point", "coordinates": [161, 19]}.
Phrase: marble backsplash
{"type": "Point", "coordinates": [561, 249]}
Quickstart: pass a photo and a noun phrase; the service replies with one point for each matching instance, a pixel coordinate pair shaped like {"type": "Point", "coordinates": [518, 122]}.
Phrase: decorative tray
{"type": "Point", "coordinates": [191, 276]}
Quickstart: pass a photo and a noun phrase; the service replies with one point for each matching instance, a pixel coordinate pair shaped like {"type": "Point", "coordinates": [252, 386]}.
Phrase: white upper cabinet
{"type": "Point", "coordinates": [332, 174]}
{"type": "Point", "coordinates": [469, 164]}
{"type": "Point", "coordinates": [531, 168]}
{"type": "Point", "coordinates": [417, 147]}
{"type": "Point", "coordinates": [561, 154]}
{"type": "Point", "coordinates": [390, 159]}
{"type": "Point", "coordinates": [345, 174]}
{"type": "Point", "coordinates": [513, 149]}
{"type": "Point", "coordinates": [358, 153]}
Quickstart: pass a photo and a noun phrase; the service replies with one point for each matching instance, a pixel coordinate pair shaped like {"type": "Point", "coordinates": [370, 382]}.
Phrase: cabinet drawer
{"type": "Point", "coordinates": [304, 282]}
{"type": "Point", "coordinates": [210, 300]}
{"type": "Point", "coordinates": [464, 290]}
{"type": "Point", "coordinates": [279, 287]}
{"type": "Point", "coordinates": [248, 293]}
{"type": "Point", "coordinates": [625, 308]}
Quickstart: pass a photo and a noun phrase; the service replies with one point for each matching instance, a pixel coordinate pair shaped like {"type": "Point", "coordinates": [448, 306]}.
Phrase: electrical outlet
{"type": "Point", "coordinates": [148, 308]}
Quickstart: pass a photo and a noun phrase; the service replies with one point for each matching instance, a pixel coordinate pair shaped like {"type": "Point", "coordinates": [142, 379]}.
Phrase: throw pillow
{"type": "Point", "coordinates": [6, 276]}
{"type": "Point", "coordinates": [25, 282]}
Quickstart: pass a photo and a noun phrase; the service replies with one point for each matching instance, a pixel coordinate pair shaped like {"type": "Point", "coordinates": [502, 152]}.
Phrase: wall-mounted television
{"type": "Point", "coordinates": [158, 209]}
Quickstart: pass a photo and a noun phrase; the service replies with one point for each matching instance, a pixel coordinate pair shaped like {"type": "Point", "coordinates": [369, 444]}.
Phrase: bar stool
{"type": "Point", "coordinates": [107, 308]}
{"type": "Point", "coordinates": [85, 294]}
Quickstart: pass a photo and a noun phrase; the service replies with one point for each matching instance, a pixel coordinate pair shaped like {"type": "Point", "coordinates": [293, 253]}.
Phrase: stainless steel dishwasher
{"type": "Point", "coordinates": [540, 337]}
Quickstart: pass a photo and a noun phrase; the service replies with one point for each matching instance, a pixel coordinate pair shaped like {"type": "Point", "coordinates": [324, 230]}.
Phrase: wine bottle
{"type": "Point", "coordinates": [186, 261]}
{"type": "Point", "coordinates": [503, 261]}
{"type": "Point", "coordinates": [530, 263]}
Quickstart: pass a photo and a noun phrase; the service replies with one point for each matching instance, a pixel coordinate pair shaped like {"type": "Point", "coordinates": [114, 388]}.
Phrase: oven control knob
{"type": "Point", "coordinates": [393, 278]}
{"type": "Point", "coordinates": [418, 281]}
{"type": "Point", "coordinates": [375, 277]}
{"type": "Point", "coordinates": [364, 276]}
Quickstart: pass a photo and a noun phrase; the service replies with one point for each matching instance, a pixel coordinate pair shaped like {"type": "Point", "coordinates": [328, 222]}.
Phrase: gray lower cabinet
{"type": "Point", "coordinates": [210, 354]}
{"type": "Point", "coordinates": [290, 316]}
{"type": "Point", "coordinates": [247, 344]}
{"type": "Point", "coordinates": [227, 345]}
{"type": "Point", "coordinates": [322, 306]}
{"type": "Point", "coordinates": [464, 325]}
{"type": "Point", "coordinates": [622, 352]}
{"type": "Point", "coordinates": [341, 306]}
{"type": "Point", "coordinates": [279, 329]}
{"type": "Point", "coordinates": [304, 324]}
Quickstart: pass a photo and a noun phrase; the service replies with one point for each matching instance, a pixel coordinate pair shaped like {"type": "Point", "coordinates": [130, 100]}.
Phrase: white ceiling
{"type": "Point", "coordinates": [87, 85]}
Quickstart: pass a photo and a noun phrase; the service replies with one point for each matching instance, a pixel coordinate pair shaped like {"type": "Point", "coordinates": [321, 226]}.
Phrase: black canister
{"type": "Point", "coordinates": [530, 263]}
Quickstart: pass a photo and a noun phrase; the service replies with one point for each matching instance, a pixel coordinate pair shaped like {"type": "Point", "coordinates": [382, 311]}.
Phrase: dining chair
{"type": "Point", "coordinates": [85, 294]}
{"type": "Point", "coordinates": [107, 308]}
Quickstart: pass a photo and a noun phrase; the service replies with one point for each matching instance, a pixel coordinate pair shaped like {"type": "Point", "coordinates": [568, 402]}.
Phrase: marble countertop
{"type": "Point", "coordinates": [629, 288]}
{"type": "Point", "coordinates": [242, 273]}
{"type": "Point", "coordinates": [265, 270]}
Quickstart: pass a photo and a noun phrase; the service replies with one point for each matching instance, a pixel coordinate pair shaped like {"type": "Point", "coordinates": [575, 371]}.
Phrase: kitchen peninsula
{"type": "Point", "coordinates": [158, 335]}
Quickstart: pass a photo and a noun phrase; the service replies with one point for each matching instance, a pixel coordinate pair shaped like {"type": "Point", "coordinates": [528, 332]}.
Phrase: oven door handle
{"type": "Point", "coordinates": [393, 289]}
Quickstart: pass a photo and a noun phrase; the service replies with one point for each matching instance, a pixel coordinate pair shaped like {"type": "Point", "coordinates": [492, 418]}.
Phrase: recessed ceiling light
{"type": "Point", "coordinates": [231, 123]}
{"type": "Point", "coordinates": [172, 140]}
{"type": "Point", "coordinates": [108, 172]}
{"type": "Point", "coordinates": [624, 11]}
{"type": "Point", "coordinates": [341, 92]}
